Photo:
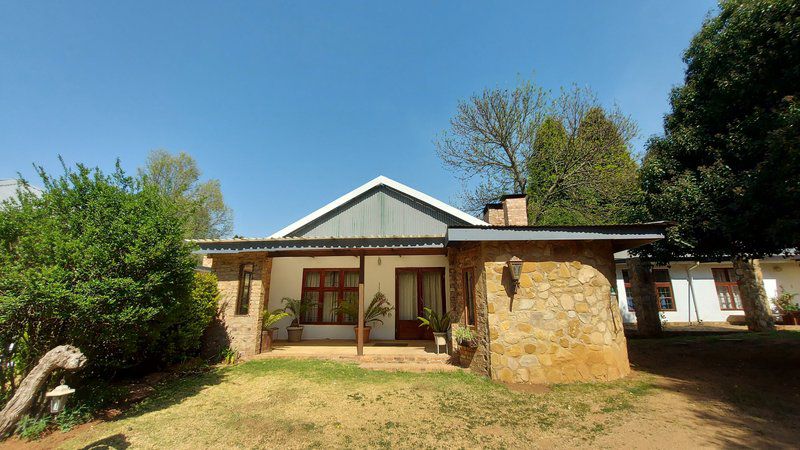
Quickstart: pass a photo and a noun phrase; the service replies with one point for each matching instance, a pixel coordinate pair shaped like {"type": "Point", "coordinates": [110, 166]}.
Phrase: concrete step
{"type": "Point", "coordinates": [409, 367]}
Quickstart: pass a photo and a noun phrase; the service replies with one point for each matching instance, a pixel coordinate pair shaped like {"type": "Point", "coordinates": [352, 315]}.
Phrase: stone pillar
{"type": "Point", "coordinates": [754, 297]}
{"type": "Point", "coordinates": [643, 291]}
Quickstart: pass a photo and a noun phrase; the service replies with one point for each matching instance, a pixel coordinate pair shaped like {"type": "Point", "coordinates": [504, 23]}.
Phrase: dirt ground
{"type": "Point", "coordinates": [726, 391]}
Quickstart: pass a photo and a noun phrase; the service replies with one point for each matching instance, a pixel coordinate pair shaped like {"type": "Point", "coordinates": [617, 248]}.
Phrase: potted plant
{"type": "Point", "coordinates": [376, 309]}
{"type": "Point", "coordinates": [268, 319]}
{"type": "Point", "coordinates": [466, 345]}
{"type": "Point", "coordinates": [438, 324]}
{"type": "Point", "coordinates": [297, 308]}
{"type": "Point", "coordinates": [790, 311]}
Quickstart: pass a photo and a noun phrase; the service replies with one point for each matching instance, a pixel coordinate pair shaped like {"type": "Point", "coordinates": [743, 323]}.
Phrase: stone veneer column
{"type": "Point", "coordinates": [242, 331]}
{"type": "Point", "coordinates": [754, 297]}
{"type": "Point", "coordinates": [561, 325]}
{"type": "Point", "coordinates": [645, 300]}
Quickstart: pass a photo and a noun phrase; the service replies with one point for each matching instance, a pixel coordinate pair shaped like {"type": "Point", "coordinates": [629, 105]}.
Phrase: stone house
{"type": "Point", "coordinates": [558, 322]}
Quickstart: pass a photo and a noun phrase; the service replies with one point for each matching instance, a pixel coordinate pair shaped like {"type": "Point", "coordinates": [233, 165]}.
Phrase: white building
{"type": "Point", "coordinates": [716, 293]}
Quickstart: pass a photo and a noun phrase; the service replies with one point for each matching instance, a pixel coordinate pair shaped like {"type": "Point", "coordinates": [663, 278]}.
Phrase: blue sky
{"type": "Point", "coordinates": [291, 104]}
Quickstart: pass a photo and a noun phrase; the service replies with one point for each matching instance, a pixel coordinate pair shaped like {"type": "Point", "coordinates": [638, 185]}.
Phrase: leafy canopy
{"type": "Point", "coordinates": [99, 261]}
{"type": "Point", "coordinates": [726, 169]}
{"type": "Point", "coordinates": [202, 204]}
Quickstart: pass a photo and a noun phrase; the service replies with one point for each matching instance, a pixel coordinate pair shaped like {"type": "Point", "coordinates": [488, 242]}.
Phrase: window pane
{"type": "Point", "coordinates": [737, 300]}
{"type": "Point", "coordinates": [407, 296]}
{"type": "Point", "coordinates": [629, 297]}
{"type": "Point", "coordinates": [331, 279]}
{"type": "Point", "coordinates": [311, 313]}
{"type": "Point", "coordinates": [350, 296]}
{"type": "Point", "coordinates": [244, 296]}
{"type": "Point", "coordinates": [328, 303]}
{"type": "Point", "coordinates": [665, 298]}
{"type": "Point", "coordinates": [432, 291]}
{"type": "Point", "coordinates": [625, 277]}
{"type": "Point", "coordinates": [351, 279]}
{"type": "Point", "coordinates": [312, 279]}
{"type": "Point", "coordinates": [469, 300]}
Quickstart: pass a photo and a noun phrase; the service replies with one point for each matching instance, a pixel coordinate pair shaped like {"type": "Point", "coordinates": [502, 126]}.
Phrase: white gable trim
{"type": "Point", "coordinates": [380, 180]}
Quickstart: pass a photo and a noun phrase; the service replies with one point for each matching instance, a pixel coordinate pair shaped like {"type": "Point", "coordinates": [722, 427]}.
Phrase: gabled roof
{"type": "Point", "coordinates": [342, 201]}
{"type": "Point", "coordinates": [9, 187]}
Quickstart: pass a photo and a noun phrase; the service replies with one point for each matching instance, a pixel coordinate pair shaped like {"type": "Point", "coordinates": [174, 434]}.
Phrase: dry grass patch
{"type": "Point", "coordinates": [309, 403]}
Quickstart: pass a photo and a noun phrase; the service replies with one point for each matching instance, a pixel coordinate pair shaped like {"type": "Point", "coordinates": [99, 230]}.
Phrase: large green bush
{"type": "Point", "coordinates": [99, 261]}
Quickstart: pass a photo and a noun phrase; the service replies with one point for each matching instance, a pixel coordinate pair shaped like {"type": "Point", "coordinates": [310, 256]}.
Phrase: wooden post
{"type": "Point", "coordinates": [360, 334]}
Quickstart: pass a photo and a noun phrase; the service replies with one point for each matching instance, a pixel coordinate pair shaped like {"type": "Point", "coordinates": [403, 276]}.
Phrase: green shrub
{"type": "Point", "coordinates": [71, 417]}
{"type": "Point", "coordinates": [31, 428]}
{"type": "Point", "coordinates": [192, 318]}
{"type": "Point", "coordinates": [99, 262]}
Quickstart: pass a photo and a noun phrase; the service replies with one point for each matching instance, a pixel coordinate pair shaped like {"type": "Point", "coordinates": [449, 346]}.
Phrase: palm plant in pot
{"type": "Point", "coordinates": [438, 324]}
{"type": "Point", "coordinates": [466, 345]}
{"type": "Point", "coordinates": [297, 308]}
{"type": "Point", "coordinates": [373, 313]}
{"type": "Point", "coordinates": [268, 319]}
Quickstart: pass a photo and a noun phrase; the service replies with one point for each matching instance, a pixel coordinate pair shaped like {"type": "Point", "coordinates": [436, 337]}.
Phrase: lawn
{"type": "Point", "coordinates": [307, 403]}
{"type": "Point", "coordinates": [736, 390]}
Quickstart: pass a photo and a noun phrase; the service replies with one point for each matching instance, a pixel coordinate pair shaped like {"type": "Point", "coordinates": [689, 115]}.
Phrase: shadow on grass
{"type": "Point", "coordinates": [116, 442]}
{"type": "Point", "coordinates": [747, 381]}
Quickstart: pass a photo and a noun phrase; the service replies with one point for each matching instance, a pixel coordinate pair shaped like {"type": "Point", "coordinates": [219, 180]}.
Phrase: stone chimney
{"type": "Point", "coordinates": [511, 211]}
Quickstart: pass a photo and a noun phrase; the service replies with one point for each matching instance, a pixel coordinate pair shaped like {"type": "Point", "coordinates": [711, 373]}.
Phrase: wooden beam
{"type": "Point", "coordinates": [359, 252]}
{"type": "Point", "coordinates": [360, 333]}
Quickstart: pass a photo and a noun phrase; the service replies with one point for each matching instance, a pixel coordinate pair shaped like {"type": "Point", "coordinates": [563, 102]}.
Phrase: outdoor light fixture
{"type": "Point", "coordinates": [58, 397]}
{"type": "Point", "coordinates": [515, 268]}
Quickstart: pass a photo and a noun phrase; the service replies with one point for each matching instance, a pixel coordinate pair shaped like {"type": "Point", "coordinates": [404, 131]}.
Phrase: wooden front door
{"type": "Point", "coordinates": [415, 289]}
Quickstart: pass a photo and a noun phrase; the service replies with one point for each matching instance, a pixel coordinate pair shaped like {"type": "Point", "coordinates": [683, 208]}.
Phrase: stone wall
{"type": "Point", "coordinates": [460, 259]}
{"type": "Point", "coordinates": [561, 325]}
{"type": "Point", "coordinates": [240, 332]}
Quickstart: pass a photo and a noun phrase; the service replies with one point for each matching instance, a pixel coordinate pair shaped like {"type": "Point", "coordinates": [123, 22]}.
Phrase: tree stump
{"type": "Point", "coordinates": [643, 291]}
{"type": "Point", "coordinates": [65, 357]}
{"type": "Point", "coordinates": [754, 297]}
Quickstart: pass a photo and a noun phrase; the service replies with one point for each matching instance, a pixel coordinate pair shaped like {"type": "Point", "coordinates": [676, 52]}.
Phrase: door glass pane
{"type": "Point", "coordinates": [407, 296]}
{"type": "Point", "coordinates": [311, 313]}
{"type": "Point", "coordinates": [331, 279]}
{"type": "Point", "coordinates": [312, 279]}
{"type": "Point", "coordinates": [351, 279]}
{"type": "Point", "coordinates": [328, 303]}
{"type": "Point", "coordinates": [432, 291]}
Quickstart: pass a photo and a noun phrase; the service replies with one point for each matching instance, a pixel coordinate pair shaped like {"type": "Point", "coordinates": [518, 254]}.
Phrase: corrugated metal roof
{"type": "Point", "coordinates": [381, 211]}
{"type": "Point", "coordinates": [316, 243]}
{"type": "Point", "coordinates": [8, 189]}
{"type": "Point", "coordinates": [651, 231]}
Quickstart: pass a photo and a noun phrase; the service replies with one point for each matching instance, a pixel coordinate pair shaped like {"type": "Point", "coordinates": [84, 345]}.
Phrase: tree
{"type": "Point", "coordinates": [490, 137]}
{"type": "Point", "coordinates": [202, 203]}
{"type": "Point", "coordinates": [581, 170]}
{"type": "Point", "coordinates": [99, 262]}
{"type": "Point", "coordinates": [726, 168]}
{"type": "Point", "coordinates": [568, 154]}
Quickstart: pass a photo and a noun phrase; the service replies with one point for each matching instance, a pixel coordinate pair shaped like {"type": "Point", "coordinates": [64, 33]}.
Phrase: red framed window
{"type": "Point", "coordinates": [666, 299]}
{"type": "Point", "coordinates": [245, 284]}
{"type": "Point", "coordinates": [663, 285]}
{"type": "Point", "coordinates": [326, 289]}
{"type": "Point", "coordinates": [727, 289]}
{"type": "Point", "coordinates": [469, 296]}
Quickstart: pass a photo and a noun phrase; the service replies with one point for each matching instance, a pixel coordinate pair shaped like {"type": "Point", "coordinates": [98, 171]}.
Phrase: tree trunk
{"type": "Point", "coordinates": [754, 296]}
{"type": "Point", "coordinates": [64, 357]}
{"type": "Point", "coordinates": [643, 291]}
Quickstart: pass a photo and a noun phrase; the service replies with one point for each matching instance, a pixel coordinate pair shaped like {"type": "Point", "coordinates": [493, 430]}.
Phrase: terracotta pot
{"type": "Point", "coordinates": [791, 318]}
{"type": "Point", "coordinates": [366, 333]}
{"type": "Point", "coordinates": [465, 355]}
{"type": "Point", "coordinates": [267, 338]}
{"type": "Point", "coordinates": [295, 333]}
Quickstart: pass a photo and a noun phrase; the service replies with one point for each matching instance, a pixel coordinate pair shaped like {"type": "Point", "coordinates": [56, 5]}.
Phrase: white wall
{"type": "Point", "coordinates": [776, 273]}
{"type": "Point", "coordinates": [379, 271]}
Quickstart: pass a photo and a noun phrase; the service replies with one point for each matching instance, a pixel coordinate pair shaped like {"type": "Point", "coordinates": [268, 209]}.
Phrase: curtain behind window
{"type": "Point", "coordinates": [407, 296]}
{"type": "Point", "coordinates": [432, 290]}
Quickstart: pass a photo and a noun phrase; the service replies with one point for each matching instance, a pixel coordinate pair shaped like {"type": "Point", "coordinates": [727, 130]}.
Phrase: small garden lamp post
{"type": "Point", "coordinates": [515, 269]}
{"type": "Point", "coordinates": [58, 397]}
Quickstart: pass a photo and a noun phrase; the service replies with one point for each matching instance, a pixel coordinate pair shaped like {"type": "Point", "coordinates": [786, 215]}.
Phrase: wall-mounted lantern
{"type": "Point", "coordinates": [515, 269]}
{"type": "Point", "coordinates": [58, 397]}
